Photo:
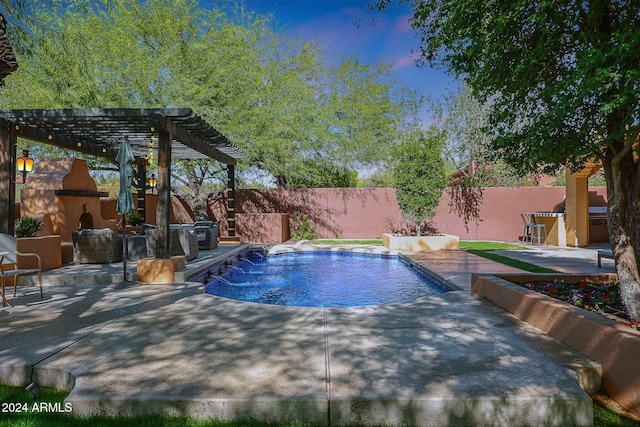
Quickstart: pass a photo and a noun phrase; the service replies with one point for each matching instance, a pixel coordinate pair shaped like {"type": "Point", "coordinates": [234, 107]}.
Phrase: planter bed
{"type": "Point", "coordinates": [611, 343]}
{"type": "Point", "coordinates": [420, 243]}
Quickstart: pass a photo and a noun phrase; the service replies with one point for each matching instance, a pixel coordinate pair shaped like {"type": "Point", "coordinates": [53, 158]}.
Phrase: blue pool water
{"type": "Point", "coordinates": [324, 279]}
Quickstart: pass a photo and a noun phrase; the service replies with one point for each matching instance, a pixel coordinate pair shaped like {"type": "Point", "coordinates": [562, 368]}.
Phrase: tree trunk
{"type": "Point", "coordinates": [623, 193]}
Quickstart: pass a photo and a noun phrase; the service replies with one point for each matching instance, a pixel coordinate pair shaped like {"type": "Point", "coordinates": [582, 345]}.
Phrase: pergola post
{"type": "Point", "coordinates": [231, 203]}
{"type": "Point", "coordinates": [163, 216]}
{"type": "Point", "coordinates": [577, 208]}
{"type": "Point", "coordinates": [8, 138]}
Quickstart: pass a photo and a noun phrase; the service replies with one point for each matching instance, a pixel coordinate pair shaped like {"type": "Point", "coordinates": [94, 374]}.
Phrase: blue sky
{"type": "Point", "coordinates": [346, 26]}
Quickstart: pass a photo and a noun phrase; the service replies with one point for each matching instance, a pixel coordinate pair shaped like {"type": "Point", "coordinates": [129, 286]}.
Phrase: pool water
{"type": "Point", "coordinates": [324, 279]}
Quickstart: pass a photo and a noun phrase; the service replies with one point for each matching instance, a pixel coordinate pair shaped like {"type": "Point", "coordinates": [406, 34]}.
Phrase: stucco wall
{"type": "Point", "coordinates": [368, 213]}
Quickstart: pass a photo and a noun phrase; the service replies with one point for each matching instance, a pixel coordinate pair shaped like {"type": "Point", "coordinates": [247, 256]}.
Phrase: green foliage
{"type": "Point", "coordinates": [275, 96]}
{"type": "Point", "coordinates": [597, 179]}
{"type": "Point", "coordinates": [562, 81]}
{"type": "Point", "coordinates": [466, 245]}
{"type": "Point", "coordinates": [419, 175]}
{"type": "Point", "coordinates": [135, 219]}
{"type": "Point", "coordinates": [10, 394]}
{"type": "Point", "coordinates": [381, 178]}
{"type": "Point", "coordinates": [26, 226]}
{"type": "Point", "coordinates": [561, 77]}
{"type": "Point", "coordinates": [301, 227]}
{"type": "Point", "coordinates": [31, 418]}
{"type": "Point", "coordinates": [510, 261]}
{"type": "Point", "coordinates": [464, 121]}
{"type": "Point", "coordinates": [497, 173]}
{"type": "Point", "coordinates": [321, 174]}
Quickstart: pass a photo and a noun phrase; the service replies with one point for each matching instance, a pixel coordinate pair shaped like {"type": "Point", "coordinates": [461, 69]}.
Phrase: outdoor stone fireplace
{"type": "Point", "coordinates": [63, 191]}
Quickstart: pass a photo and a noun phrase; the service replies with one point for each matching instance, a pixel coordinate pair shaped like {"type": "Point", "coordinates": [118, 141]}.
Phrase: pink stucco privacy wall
{"type": "Point", "coordinates": [370, 212]}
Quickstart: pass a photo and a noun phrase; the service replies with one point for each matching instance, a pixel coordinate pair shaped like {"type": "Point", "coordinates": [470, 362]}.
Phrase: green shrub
{"type": "Point", "coordinates": [301, 228]}
{"type": "Point", "coordinates": [135, 219]}
{"type": "Point", "coordinates": [27, 226]}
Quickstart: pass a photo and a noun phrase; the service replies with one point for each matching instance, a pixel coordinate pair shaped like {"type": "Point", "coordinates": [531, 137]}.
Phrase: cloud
{"type": "Point", "coordinates": [404, 61]}
{"type": "Point", "coordinates": [345, 30]}
{"type": "Point", "coordinates": [403, 24]}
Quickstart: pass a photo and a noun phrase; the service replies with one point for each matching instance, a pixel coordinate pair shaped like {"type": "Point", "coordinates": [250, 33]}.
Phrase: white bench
{"type": "Point", "coordinates": [604, 253]}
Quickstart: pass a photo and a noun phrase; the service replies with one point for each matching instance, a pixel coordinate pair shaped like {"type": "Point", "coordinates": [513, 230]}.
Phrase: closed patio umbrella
{"type": "Point", "coordinates": [125, 203]}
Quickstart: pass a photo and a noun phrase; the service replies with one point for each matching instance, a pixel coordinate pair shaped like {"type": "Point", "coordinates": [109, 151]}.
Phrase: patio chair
{"type": "Point", "coordinates": [604, 253]}
{"type": "Point", "coordinates": [527, 232]}
{"type": "Point", "coordinates": [9, 265]}
{"type": "Point", "coordinates": [96, 246]}
{"type": "Point", "coordinates": [181, 242]}
{"type": "Point", "coordinates": [207, 233]}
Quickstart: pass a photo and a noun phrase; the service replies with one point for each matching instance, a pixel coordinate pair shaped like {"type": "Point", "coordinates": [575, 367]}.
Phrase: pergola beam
{"type": "Point", "coordinates": [182, 134]}
{"type": "Point", "coordinates": [53, 138]}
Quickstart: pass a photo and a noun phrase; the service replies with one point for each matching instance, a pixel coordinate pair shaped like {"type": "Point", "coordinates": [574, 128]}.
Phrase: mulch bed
{"type": "Point", "coordinates": [602, 298]}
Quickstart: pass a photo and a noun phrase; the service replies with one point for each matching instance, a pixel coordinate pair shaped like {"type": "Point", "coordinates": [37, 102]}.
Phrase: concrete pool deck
{"type": "Point", "coordinates": [454, 359]}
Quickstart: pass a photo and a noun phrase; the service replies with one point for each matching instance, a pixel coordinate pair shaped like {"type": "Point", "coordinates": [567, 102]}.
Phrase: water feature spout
{"type": "Point", "coordinates": [222, 279]}
{"type": "Point", "coordinates": [235, 267]}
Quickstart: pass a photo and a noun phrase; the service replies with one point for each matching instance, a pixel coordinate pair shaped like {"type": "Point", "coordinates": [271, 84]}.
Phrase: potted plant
{"type": "Point", "coordinates": [134, 223]}
{"type": "Point", "coordinates": [48, 248]}
{"type": "Point", "coordinates": [27, 226]}
{"type": "Point", "coordinates": [135, 219]}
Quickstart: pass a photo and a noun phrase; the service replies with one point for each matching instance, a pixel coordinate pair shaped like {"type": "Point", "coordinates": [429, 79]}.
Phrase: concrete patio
{"type": "Point", "coordinates": [454, 359]}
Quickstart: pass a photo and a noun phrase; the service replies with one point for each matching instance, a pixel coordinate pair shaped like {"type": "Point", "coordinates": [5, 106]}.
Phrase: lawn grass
{"type": "Point", "coordinates": [484, 249]}
{"type": "Point", "coordinates": [467, 245]}
{"type": "Point", "coordinates": [603, 415]}
{"type": "Point", "coordinates": [17, 395]}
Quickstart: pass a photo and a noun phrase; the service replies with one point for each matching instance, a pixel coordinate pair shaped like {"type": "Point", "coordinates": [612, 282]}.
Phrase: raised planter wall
{"type": "Point", "coordinates": [420, 243]}
{"type": "Point", "coordinates": [49, 248]}
{"type": "Point", "coordinates": [614, 345]}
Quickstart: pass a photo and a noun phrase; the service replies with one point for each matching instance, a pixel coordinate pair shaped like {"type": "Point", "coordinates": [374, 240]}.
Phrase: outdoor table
{"type": "Point", "coordinates": [556, 230]}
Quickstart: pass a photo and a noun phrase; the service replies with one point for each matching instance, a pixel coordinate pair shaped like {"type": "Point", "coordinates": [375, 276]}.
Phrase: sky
{"type": "Point", "coordinates": [346, 26]}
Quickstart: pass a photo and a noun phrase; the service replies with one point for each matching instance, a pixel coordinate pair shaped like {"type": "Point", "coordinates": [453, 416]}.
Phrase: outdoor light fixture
{"type": "Point", "coordinates": [153, 182]}
{"type": "Point", "coordinates": [24, 164]}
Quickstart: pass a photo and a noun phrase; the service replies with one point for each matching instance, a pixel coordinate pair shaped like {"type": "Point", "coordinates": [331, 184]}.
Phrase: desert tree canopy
{"type": "Point", "coordinates": [275, 96]}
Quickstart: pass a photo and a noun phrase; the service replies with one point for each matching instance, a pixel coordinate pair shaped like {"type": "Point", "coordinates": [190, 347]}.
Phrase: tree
{"type": "Point", "coordinates": [274, 96]}
{"type": "Point", "coordinates": [420, 175]}
{"type": "Point", "coordinates": [564, 81]}
{"type": "Point", "coordinates": [324, 174]}
{"type": "Point", "coordinates": [464, 120]}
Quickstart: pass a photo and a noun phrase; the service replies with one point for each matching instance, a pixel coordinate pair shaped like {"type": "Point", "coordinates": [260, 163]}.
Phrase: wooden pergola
{"type": "Point", "coordinates": [174, 133]}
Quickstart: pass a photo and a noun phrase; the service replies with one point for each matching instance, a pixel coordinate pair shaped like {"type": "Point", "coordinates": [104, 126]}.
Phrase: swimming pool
{"type": "Point", "coordinates": [324, 279]}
